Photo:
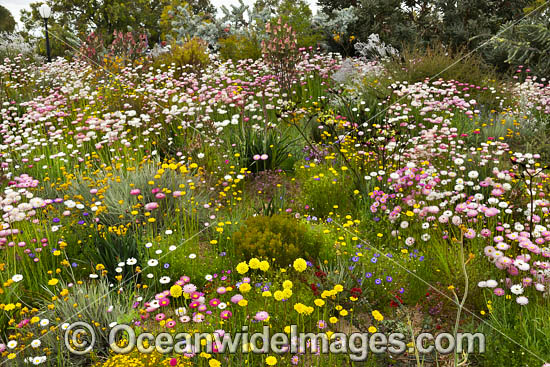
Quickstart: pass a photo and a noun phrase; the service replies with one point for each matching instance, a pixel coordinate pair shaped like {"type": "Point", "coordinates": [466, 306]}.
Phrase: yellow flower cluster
{"type": "Point", "coordinates": [303, 309]}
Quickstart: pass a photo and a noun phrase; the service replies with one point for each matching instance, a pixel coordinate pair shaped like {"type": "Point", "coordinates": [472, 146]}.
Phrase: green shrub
{"type": "Point", "coordinates": [437, 62]}
{"type": "Point", "coordinates": [192, 56]}
{"type": "Point", "coordinates": [526, 42]}
{"type": "Point", "coordinates": [238, 47]}
{"type": "Point", "coordinates": [277, 237]}
{"type": "Point", "coordinates": [418, 64]}
{"type": "Point", "coordinates": [324, 192]}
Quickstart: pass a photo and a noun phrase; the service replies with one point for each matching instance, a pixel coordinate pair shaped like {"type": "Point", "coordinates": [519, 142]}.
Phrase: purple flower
{"type": "Point", "coordinates": [378, 281]}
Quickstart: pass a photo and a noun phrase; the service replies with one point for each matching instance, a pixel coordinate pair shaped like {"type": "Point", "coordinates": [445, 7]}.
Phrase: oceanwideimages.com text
{"type": "Point", "coordinates": [80, 339]}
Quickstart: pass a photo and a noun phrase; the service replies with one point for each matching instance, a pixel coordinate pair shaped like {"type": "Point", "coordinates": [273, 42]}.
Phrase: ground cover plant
{"type": "Point", "coordinates": [189, 189]}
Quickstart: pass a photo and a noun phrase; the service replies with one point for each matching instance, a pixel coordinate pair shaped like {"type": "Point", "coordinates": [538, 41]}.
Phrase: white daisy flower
{"type": "Point", "coordinates": [517, 289]}
{"type": "Point", "coordinates": [12, 344]}
{"type": "Point", "coordinates": [17, 278]}
{"type": "Point", "coordinates": [36, 343]}
{"type": "Point", "coordinates": [522, 300]}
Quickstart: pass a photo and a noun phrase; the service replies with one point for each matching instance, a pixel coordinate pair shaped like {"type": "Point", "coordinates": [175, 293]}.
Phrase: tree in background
{"type": "Point", "coordinates": [464, 21]}
{"type": "Point", "coordinates": [338, 29]}
{"type": "Point", "coordinates": [81, 17]}
{"type": "Point", "coordinates": [202, 8]}
{"type": "Point", "coordinates": [298, 15]}
{"type": "Point", "coordinates": [455, 23]}
{"type": "Point", "coordinates": [7, 23]}
{"type": "Point", "coordinates": [327, 6]}
{"type": "Point", "coordinates": [526, 42]}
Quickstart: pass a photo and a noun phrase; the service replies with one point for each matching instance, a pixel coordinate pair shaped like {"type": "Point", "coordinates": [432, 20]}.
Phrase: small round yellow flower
{"type": "Point", "coordinates": [53, 281]}
{"type": "Point", "coordinates": [176, 291]}
{"type": "Point", "coordinates": [287, 293]}
{"type": "Point", "coordinates": [319, 302]}
{"type": "Point", "coordinates": [242, 268]}
{"type": "Point", "coordinates": [299, 265]}
{"type": "Point", "coordinates": [245, 287]}
{"type": "Point", "coordinates": [264, 265]}
{"type": "Point", "coordinates": [377, 315]}
{"type": "Point", "coordinates": [278, 295]}
{"type": "Point", "coordinates": [254, 263]}
{"type": "Point", "coordinates": [271, 361]}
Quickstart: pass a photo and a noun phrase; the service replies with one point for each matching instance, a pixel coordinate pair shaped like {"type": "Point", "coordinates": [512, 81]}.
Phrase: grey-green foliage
{"type": "Point", "coordinates": [97, 304]}
{"type": "Point", "coordinates": [243, 20]}
{"type": "Point", "coordinates": [188, 25]}
{"type": "Point", "coordinates": [526, 43]}
{"type": "Point", "coordinates": [237, 20]}
{"type": "Point", "coordinates": [338, 22]}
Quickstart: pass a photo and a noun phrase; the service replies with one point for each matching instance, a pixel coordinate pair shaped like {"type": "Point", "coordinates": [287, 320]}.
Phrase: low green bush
{"type": "Point", "coordinates": [192, 56]}
{"type": "Point", "coordinates": [278, 237]}
{"type": "Point", "coordinates": [238, 47]}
